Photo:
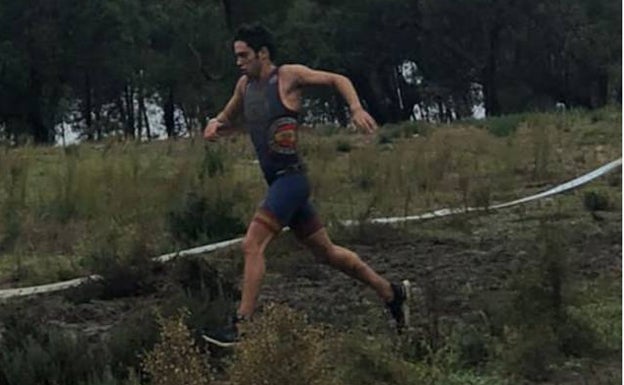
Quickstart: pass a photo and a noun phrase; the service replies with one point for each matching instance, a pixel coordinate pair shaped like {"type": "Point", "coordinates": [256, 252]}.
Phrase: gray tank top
{"type": "Point", "coordinates": [273, 128]}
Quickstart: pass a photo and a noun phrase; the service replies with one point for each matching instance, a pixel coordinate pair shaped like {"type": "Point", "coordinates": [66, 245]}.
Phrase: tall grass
{"type": "Point", "coordinates": [160, 196]}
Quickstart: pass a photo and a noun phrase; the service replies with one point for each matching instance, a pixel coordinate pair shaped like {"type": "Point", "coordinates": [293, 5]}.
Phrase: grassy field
{"type": "Point", "coordinates": [523, 295]}
{"type": "Point", "coordinates": [65, 210]}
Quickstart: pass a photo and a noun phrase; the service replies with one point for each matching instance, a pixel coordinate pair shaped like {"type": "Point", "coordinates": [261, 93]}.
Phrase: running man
{"type": "Point", "coordinates": [269, 98]}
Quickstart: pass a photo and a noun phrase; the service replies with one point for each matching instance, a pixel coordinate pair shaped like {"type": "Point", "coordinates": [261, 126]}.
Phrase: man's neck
{"type": "Point", "coordinates": [266, 71]}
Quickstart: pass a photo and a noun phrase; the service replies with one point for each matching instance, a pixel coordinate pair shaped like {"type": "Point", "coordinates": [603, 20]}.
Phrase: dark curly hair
{"type": "Point", "coordinates": [256, 36]}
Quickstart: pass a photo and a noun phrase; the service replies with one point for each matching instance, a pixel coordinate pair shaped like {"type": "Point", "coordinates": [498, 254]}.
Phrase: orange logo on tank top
{"type": "Point", "coordinates": [283, 136]}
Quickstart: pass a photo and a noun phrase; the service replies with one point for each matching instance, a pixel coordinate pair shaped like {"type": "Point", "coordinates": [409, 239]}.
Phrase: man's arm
{"type": "Point", "coordinates": [229, 112]}
{"type": "Point", "coordinates": [303, 76]}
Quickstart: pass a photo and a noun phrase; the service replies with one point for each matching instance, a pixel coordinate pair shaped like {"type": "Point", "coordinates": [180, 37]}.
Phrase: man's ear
{"type": "Point", "coordinates": [263, 53]}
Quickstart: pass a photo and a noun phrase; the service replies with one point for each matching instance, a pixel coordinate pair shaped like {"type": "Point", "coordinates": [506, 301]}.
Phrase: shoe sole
{"type": "Point", "coordinates": [221, 344]}
{"type": "Point", "coordinates": [405, 306]}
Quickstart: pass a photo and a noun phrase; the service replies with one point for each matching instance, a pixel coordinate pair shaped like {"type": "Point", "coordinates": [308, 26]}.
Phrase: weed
{"type": "Point", "coordinates": [175, 359]}
{"type": "Point", "coordinates": [281, 338]}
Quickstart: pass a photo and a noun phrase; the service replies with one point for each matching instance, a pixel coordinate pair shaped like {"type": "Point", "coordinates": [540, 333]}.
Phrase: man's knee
{"type": "Point", "coordinates": [324, 253]}
{"type": "Point", "coordinates": [251, 247]}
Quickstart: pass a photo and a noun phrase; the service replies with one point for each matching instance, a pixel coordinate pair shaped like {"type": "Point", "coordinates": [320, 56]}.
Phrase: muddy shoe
{"type": "Point", "coordinates": [399, 306]}
{"type": "Point", "coordinates": [225, 337]}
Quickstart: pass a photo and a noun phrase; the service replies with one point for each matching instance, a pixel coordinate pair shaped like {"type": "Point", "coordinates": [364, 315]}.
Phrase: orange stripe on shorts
{"type": "Point", "coordinates": [268, 220]}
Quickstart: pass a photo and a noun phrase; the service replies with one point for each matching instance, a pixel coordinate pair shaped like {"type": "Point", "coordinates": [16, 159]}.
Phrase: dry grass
{"type": "Point", "coordinates": [175, 360]}
{"type": "Point", "coordinates": [74, 202]}
{"type": "Point", "coordinates": [280, 347]}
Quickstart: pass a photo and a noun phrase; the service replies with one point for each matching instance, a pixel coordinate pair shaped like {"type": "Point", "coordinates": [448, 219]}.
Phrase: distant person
{"type": "Point", "coordinates": [269, 99]}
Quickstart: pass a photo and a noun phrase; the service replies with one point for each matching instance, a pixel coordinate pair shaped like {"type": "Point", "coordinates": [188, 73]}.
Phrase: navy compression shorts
{"type": "Point", "coordinates": [287, 204]}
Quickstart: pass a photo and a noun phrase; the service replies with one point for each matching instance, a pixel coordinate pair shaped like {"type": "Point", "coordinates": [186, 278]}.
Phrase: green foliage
{"type": "Point", "coordinates": [129, 339]}
{"type": "Point", "coordinates": [212, 164]}
{"type": "Point", "coordinates": [343, 146]}
{"type": "Point", "coordinates": [502, 126]}
{"type": "Point", "coordinates": [543, 322]}
{"type": "Point", "coordinates": [64, 204]}
{"type": "Point", "coordinates": [13, 190]}
{"type": "Point", "coordinates": [178, 54]}
{"type": "Point", "coordinates": [597, 199]}
{"type": "Point", "coordinates": [121, 255]}
{"type": "Point", "coordinates": [531, 353]}
{"type": "Point", "coordinates": [599, 310]}
{"type": "Point", "coordinates": [202, 220]}
{"type": "Point", "coordinates": [51, 356]}
{"type": "Point", "coordinates": [365, 360]}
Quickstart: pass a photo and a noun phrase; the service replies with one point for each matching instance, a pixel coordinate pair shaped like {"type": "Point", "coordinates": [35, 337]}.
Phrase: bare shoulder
{"type": "Point", "coordinates": [293, 68]}
{"type": "Point", "coordinates": [241, 84]}
{"type": "Point", "coordinates": [290, 74]}
{"type": "Point", "coordinates": [302, 75]}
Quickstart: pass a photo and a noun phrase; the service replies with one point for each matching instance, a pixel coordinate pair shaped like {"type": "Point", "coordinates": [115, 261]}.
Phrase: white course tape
{"type": "Point", "coordinates": [445, 212]}
{"type": "Point", "coordinates": [198, 250]}
{"type": "Point", "coordinates": [25, 291]}
{"type": "Point", "coordinates": [21, 292]}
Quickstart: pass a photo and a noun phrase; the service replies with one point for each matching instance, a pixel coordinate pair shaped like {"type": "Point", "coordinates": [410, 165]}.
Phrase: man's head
{"type": "Point", "coordinates": [253, 48]}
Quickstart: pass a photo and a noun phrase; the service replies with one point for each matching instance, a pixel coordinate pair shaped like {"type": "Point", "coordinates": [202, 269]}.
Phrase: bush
{"type": "Point", "coordinates": [200, 220]}
{"type": "Point", "coordinates": [280, 347]}
{"type": "Point", "coordinates": [175, 360]}
{"type": "Point", "coordinates": [128, 339]}
{"type": "Point", "coordinates": [595, 200]}
{"type": "Point", "coordinates": [364, 360]}
{"type": "Point", "coordinates": [50, 357]}
{"type": "Point", "coordinates": [503, 125]}
{"type": "Point", "coordinates": [212, 163]}
{"type": "Point", "coordinates": [343, 146]}
{"type": "Point", "coordinates": [541, 323]}
{"type": "Point", "coordinates": [122, 255]}
{"type": "Point", "coordinates": [531, 352]}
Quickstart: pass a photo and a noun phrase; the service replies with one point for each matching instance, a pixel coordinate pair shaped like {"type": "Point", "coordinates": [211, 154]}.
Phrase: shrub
{"type": "Point", "coordinates": [368, 361]}
{"type": "Point", "coordinates": [503, 125]}
{"type": "Point", "coordinates": [280, 347]}
{"type": "Point", "coordinates": [343, 146]}
{"type": "Point", "coordinates": [212, 162]}
{"type": "Point", "coordinates": [128, 339]}
{"type": "Point", "coordinates": [50, 357]}
{"type": "Point", "coordinates": [122, 255]}
{"type": "Point", "coordinates": [175, 360]}
{"type": "Point", "coordinates": [201, 220]}
{"type": "Point", "coordinates": [541, 326]}
{"type": "Point", "coordinates": [595, 200]}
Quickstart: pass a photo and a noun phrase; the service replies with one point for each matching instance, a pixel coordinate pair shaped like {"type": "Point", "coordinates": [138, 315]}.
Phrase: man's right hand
{"type": "Point", "coordinates": [210, 132]}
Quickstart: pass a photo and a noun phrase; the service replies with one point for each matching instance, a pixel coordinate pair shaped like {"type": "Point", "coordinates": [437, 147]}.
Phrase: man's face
{"type": "Point", "coordinates": [247, 60]}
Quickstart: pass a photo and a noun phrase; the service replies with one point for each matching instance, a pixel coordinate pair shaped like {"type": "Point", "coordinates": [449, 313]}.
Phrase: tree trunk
{"type": "Point", "coordinates": [490, 83]}
{"type": "Point", "coordinates": [88, 105]}
{"type": "Point", "coordinates": [39, 131]}
{"type": "Point", "coordinates": [371, 91]}
{"type": "Point", "coordinates": [98, 123]}
{"type": "Point", "coordinates": [600, 90]}
{"type": "Point", "coordinates": [169, 118]}
{"type": "Point", "coordinates": [129, 98]}
{"type": "Point", "coordinates": [142, 118]}
{"type": "Point", "coordinates": [148, 130]}
{"type": "Point", "coordinates": [122, 111]}
{"type": "Point", "coordinates": [234, 13]}
{"type": "Point", "coordinates": [141, 106]}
